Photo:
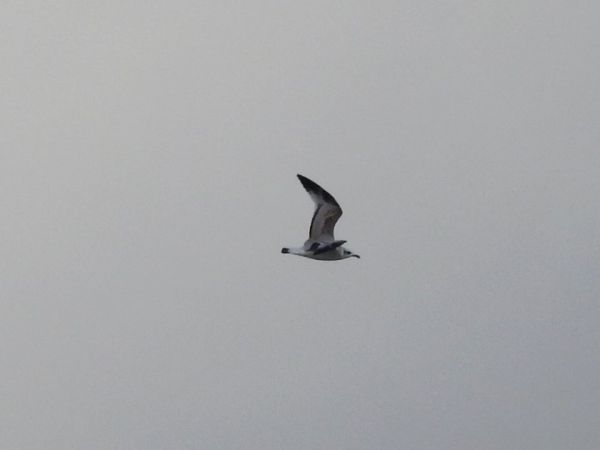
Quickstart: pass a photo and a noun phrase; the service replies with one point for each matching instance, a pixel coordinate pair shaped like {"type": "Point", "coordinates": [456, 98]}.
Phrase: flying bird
{"type": "Point", "coordinates": [321, 244]}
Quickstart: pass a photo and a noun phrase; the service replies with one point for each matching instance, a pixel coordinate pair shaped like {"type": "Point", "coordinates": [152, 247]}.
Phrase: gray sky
{"type": "Point", "coordinates": [147, 173]}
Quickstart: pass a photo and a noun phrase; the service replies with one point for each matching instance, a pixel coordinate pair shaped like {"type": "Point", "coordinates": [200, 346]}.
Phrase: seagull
{"type": "Point", "coordinates": [321, 244]}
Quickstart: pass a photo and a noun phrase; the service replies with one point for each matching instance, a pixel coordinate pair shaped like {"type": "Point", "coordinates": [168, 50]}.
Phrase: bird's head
{"type": "Point", "coordinates": [349, 254]}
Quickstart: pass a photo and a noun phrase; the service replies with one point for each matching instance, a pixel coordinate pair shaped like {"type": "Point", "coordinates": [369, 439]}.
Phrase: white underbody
{"type": "Point", "coordinates": [332, 255]}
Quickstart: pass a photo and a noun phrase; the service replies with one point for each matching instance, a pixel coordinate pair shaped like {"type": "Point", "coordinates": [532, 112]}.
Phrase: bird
{"type": "Point", "coordinates": [321, 244]}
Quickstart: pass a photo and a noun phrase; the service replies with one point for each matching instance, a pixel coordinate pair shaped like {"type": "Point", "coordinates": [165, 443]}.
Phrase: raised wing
{"type": "Point", "coordinates": [327, 211]}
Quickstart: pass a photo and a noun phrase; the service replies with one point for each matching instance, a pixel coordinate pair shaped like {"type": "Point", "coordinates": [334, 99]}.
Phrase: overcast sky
{"type": "Point", "coordinates": [148, 153]}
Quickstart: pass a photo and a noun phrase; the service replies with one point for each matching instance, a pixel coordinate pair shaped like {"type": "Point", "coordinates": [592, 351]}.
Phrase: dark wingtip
{"type": "Point", "coordinates": [306, 182]}
{"type": "Point", "coordinates": [285, 250]}
{"type": "Point", "coordinates": [311, 186]}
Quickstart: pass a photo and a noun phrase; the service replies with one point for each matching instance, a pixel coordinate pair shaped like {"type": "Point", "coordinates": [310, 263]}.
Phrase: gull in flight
{"type": "Point", "coordinates": [321, 244]}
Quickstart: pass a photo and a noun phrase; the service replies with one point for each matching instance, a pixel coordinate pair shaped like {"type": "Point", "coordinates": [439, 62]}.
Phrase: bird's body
{"type": "Point", "coordinates": [332, 255]}
{"type": "Point", "coordinates": [321, 244]}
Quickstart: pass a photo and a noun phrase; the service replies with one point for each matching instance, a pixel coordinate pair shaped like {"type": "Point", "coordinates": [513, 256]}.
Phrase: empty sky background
{"type": "Point", "coordinates": [147, 182]}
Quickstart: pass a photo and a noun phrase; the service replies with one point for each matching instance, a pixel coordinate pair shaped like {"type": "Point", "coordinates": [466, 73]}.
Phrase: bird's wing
{"type": "Point", "coordinates": [327, 211]}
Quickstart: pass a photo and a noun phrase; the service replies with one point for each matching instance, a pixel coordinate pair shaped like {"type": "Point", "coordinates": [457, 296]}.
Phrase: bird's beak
{"type": "Point", "coordinates": [356, 256]}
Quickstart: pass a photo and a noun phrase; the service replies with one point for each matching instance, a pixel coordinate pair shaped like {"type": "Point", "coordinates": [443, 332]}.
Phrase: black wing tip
{"type": "Point", "coordinates": [311, 186]}
{"type": "Point", "coordinates": [307, 183]}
